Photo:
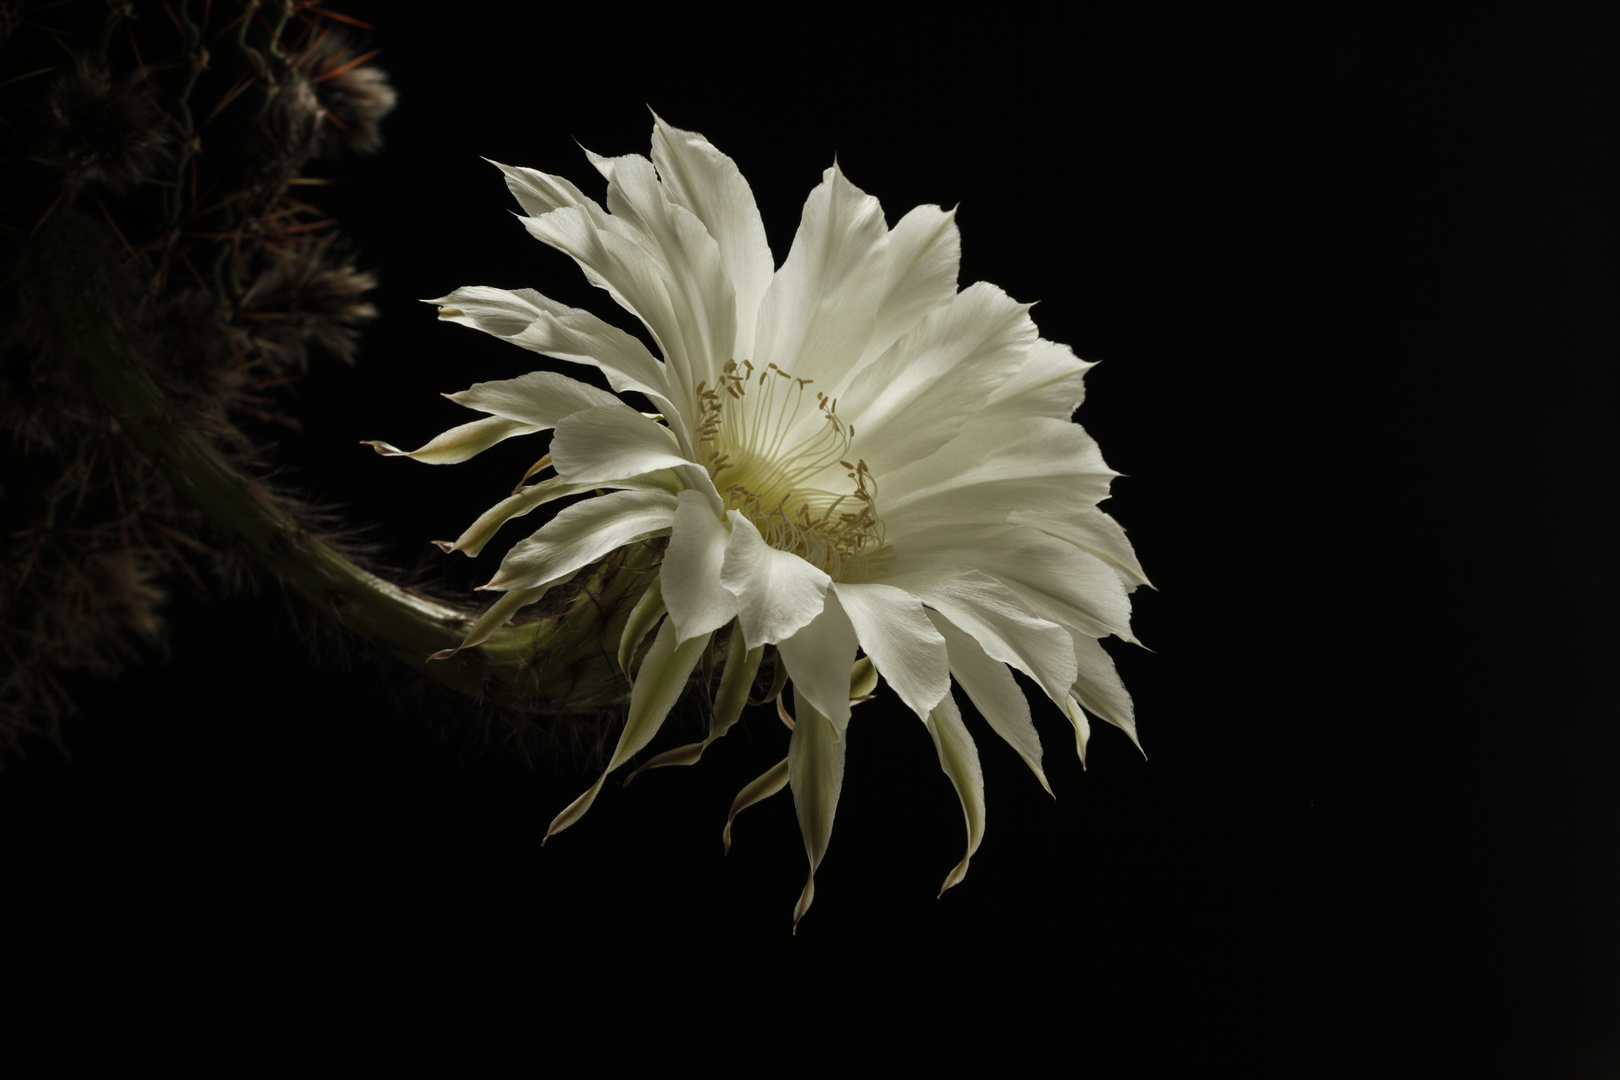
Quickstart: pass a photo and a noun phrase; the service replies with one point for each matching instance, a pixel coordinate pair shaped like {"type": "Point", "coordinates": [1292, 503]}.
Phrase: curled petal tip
{"type": "Point", "coordinates": [444, 545]}
{"type": "Point", "coordinates": [444, 654]}
{"type": "Point", "coordinates": [385, 449]}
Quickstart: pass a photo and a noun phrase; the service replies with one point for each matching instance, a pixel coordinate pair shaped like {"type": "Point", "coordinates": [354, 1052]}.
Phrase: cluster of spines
{"type": "Point", "coordinates": [169, 139]}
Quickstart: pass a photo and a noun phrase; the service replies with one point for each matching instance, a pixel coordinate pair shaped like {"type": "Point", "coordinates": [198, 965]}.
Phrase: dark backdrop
{"type": "Point", "coordinates": [1351, 279]}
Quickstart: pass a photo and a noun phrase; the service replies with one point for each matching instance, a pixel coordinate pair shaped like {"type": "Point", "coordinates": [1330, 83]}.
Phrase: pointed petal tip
{"type": "Point", "coordinates": [805, 899]}
{"type": "Point", "coordinates": [444, 654]}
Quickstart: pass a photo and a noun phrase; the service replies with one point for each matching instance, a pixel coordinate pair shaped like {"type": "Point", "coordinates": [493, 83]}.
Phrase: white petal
{"type": "Point", "coordinates": [698, 603]}
{"type": "Point", "coordinates": [918, 394]}
{"type": "Point", "coordinates": [1002, 623]}
{"type": "Point", "coordinates": [708, 183]}
{"type": "Point", "coordinates": [818, 313]}
{"type": "Point", "coordinates": [516, 505]}
{"type": "Point", "coordinates": [540, 398]}
{"type": "Point", "coordinates": [1057, 581]}
{"type": "Point", "coordinates": [1099, 688]}
{"type": "Point", "coordinates": [610, 441]}
{"type": "Point", "coordinates": [816, 773]}
{"type": "Point", "coordinates": [960, 760]}
{"type": "Point", "coordinates": [995, 693]}
{"type": "Point", "coordinates": [818, 660]}
{"type": "Point", "coordinates": [583, 533]}
{"type": "Point", "coordinates": [658, 686]}
{"type": "Point", "coordinates": [704, 330]}
{"type": "Point", "coordinates": [1082, 727]}
{"type": "Point", "coordinates": [777, 592]}
{"type": "Point", "coordinates": [1093, 531]}
{"type": "Point", "coordinates": [925, 250]}
{"type": "Point", "coordinates": [461, 442]}
{"type": "Point", "coordinates": [993, 469]}
{"type": "Point", "coordinates": [895, 632]}
{"type": "Point", "coordinates": [498, 615]}
{"type": "Point", "coordinates": [541, 193]}
{"type": "Point", "coordinates": [540, 324]}
{"type": "Point", "coordinates": [1051, 383]}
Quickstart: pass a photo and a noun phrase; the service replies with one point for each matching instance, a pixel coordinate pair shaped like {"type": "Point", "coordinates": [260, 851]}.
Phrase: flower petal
{"type": "Point", "coordinates": [700, 337]}
{"type": "Point", "coordinates": [648, 613]}
{"type": "Point", "coordinates": [499, 614]}
{"type": "Point", "coordinates": [693, 561]}
{"type": "Point", "coordinates": [461, 442]}
{"type": "Point", "coordinates": [1100, 689]}
{"type": "Point", "coordinates": [928, 384]}
{"type": "Point", "coordinates": [530, 498]}
{"type": "Point", "coordinates": [1092, 531]}
{"type": "Point", "coordinates": [583, 533]}
{"type": "Point", "coordinates": [818, 313]}
{"type": "Point", "coordinates": [764, 786]}
{"type": "Point", "coordinates": [1002, 624]}
{"type": "Point", "coordinates": [1050, 383]}
{"type": "Point", "coordinates": [993, 469]}
{"type": "Point", "coordinates": [541, 193]}
{"type": "Point", "coordinates": [777, 591]}
{"type": "Point", "coordinates": [925, 250]}
{"type": "Point", "coordinates": [611, 441]}
{"type": "Point", "coordinates": [959, 757]}
{"type": "Point", "coordinates": [742, 664]}
{"type": "Point", "coordinates": [1056, 581]}
{"type": "Point", "coordinates": [995, 693]}
{"type": "Point", "coordinates": [818, 660]}
{"type": "Point", "coordinates": [658, 686]}
{"type": "Point", "coordinates": [541, 398]}
{"type": "Point", "coordinates": [540, 324]}
{"type": "Point", "coordinates": [708, 183]}
{"type": "Point", "coordinates": [895, 632]}
{"type": "Point", "coordinates": [816, 772]}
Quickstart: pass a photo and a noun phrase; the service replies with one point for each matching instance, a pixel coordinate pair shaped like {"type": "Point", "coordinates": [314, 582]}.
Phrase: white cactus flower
{"type": "Point", "coordinates": [853, 462]}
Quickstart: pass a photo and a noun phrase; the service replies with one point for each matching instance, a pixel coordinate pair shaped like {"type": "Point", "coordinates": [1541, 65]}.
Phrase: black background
{"type": "Point", "coordinates": [1352, 282]}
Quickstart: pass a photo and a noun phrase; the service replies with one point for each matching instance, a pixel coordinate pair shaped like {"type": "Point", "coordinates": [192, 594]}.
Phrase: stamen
{"type": "Point", "coordinates": [746, 432]}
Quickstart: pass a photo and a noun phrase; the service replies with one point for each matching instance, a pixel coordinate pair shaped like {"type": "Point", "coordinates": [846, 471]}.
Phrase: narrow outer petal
{"type": "Point", "coordinates": [541, 398]}
{"type": "Point", "coordinates": [960, 760]}
{"type": "Point", "coordinates": [1100, 689]}
{"type": "Point", "coordinates": [460, 443]}
{"type": "Point", "coordinates": [1001, 623]}
{"type": "Point", "coordinates": [583, 533]}
{"type": "Point", "coordinates": [816, 773]}
{"type": "Point", "coordinates": [995, 693]}
{"type": "Point", "coordinates": [659, 684]}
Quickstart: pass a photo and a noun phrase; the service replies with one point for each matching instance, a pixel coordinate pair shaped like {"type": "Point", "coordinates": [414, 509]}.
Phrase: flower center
{"type": "Point", "coordinates": [770, 464]}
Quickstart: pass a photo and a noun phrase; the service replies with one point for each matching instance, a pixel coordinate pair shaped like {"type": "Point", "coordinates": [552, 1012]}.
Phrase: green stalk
{"type": "Point", "coordinates": [559, 663]}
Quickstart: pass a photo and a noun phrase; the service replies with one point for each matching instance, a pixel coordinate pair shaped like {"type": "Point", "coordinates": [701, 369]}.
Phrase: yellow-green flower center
{"type": "Point", "coordinates": [771, 466]}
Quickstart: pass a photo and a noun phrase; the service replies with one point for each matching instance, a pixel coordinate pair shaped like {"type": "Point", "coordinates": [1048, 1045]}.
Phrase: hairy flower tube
{"type": "Point", "coordinates": [852, 460]}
